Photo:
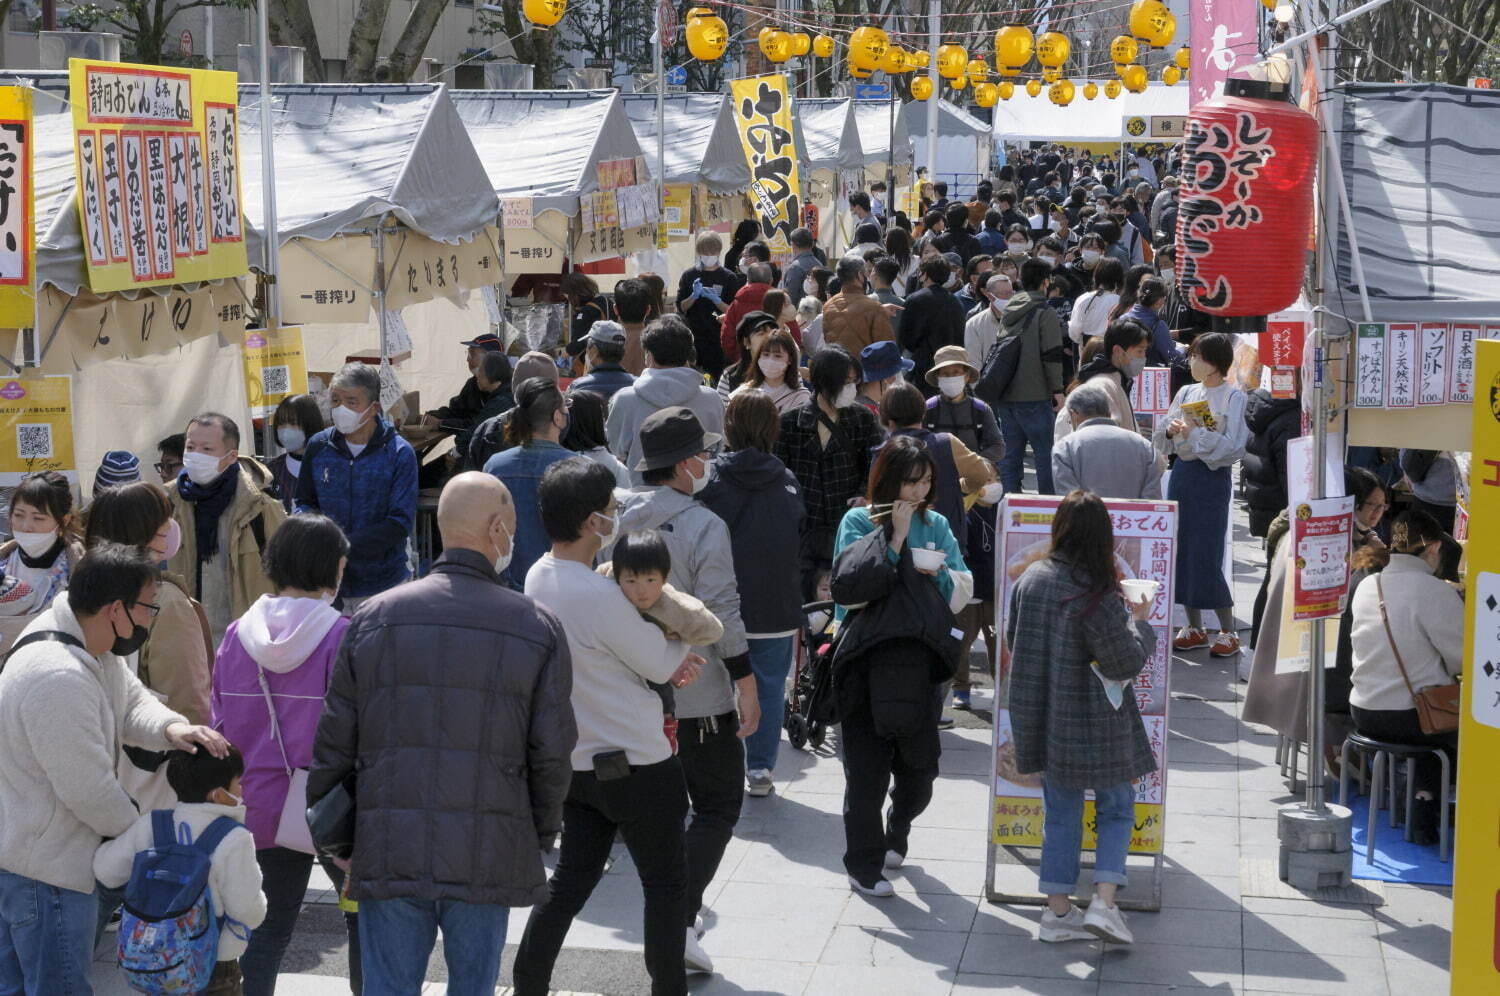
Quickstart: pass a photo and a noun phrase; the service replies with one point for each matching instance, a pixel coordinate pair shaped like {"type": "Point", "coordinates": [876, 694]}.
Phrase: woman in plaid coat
{"type": "Point", "coordinates": [1066, 621]}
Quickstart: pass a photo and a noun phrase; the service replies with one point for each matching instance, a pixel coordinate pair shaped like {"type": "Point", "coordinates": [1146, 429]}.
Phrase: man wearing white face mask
{"type": "Point", "coordinates": [223, 504]}
{"type": "Point", "coordinates": [362, 475]}
{"type": "Point", "coordinates": [983, 328]}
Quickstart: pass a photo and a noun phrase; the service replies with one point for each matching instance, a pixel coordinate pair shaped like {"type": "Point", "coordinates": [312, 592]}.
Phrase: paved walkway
{"type": "Point", "coordinates": [782, 919]}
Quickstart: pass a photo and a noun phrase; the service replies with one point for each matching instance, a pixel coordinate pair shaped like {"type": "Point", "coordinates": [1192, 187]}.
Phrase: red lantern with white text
{"type": "Point", "coordinates": [1246, 202]}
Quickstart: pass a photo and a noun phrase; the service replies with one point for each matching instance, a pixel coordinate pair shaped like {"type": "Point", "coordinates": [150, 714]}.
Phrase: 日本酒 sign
{"type": "Point", "coordinates": [158, 163]}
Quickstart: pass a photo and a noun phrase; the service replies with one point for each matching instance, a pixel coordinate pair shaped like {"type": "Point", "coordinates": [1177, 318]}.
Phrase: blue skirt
{"type": "Point", "coordinates": [1202, 497]}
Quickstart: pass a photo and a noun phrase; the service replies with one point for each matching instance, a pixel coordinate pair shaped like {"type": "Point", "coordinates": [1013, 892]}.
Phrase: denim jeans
{"type": "Point", "coordinates": [771, 660]}
{"type": "Point", "coordinates": [1062, 835]}
{"type": "Point", "coordinates": [46, 936]}
{"type": "Point", "coordinates": [1023, 422]}
{"type": "Point", "coordinates": [284, 874]}
{"type": "Point", "coordinates": [397, 936]}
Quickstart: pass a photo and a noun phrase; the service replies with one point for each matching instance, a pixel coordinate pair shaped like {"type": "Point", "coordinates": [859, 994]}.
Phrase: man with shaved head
{"type": "Point", "coordinates": [448, 717]}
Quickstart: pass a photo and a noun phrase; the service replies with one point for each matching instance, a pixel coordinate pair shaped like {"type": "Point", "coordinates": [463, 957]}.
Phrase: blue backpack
{"type": "Point", "coordinates": [169, 935]}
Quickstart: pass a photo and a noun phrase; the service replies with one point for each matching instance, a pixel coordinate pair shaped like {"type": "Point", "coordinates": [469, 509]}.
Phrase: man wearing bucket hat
{"type": "Point", "coordinates": [722, 707]}
{"type": "Point", "coordinates": [883, 367]}
{"type": "Point", "coordinates": [955, 410]}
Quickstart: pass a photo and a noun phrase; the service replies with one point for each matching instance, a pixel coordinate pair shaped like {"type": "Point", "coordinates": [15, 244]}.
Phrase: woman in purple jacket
{"type": "Point", "coordinates": [277, 658]}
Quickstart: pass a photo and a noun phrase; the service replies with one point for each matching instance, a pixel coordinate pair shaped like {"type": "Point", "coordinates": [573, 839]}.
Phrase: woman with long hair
{"type": "Point", "coordinates": [534, 433]}
{"type": "Point", "coordinates": [585, 433]}
{"type": "Point", "coordinates": [585, 304]}
{"type": "Point", "coordinates": [774, 371]}
{"type": "Point", "coordinates": [898, 247]}
{"type": "Point", "coordinates": [1075, 645]}
{"type": "Point", "coordinates": [1130, 290]}
{"type": "Point", "coordinates": [898, 578]}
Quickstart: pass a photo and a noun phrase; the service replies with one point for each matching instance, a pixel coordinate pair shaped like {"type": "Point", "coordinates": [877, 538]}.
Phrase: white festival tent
{"type": "Point", "coordinates": [879, 129]}
{"type": "Point", "coordinates": [701, 144]}
{"type": "Point", "coordinates": [832, 160]}
{"type": "Point", "coordinates": [1024, 118]}
{"type": "Point", "coordinates": [963, 140]}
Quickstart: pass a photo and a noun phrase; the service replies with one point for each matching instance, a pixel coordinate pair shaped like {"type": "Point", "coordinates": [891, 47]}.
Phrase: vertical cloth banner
{"type": "Point", "coordinates": [1224, 39]}
{"type": "Point", "coordinates": [36, 427]}
{"type": "Point", "coordinates": [1475, 956]}
{"type": "Point", "coordinates": [158, 163]}
{"type": "Point", "coordinates": [1146, 548]}
{"type": "Point", "coordinates": [17, 193]}
{"type": "Point", "coordinates": [763, 119]}
{"type": "Point", "coordinates": [275, 368]}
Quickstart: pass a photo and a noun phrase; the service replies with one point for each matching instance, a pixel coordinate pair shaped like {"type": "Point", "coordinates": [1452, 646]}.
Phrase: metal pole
{"type": "Point", "coordinates": [272, 250]}
{"type": "Point", "coordinates": [934, 10]}
{"type": "Point", "coordinates": [379, 235]}
{"type": "Point", "coordinates": [208, 35]}
{"type": "Point", "coordinates": [661, 126]}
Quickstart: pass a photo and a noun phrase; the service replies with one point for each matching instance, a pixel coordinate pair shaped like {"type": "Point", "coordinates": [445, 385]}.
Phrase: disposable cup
{"type": "Point", "coordinates": [1137, 588]}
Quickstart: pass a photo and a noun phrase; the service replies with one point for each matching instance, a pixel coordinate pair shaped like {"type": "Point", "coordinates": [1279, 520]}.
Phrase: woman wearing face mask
{"type": "Point", "coordinates": [1205, 429]}
{"type": "Point", "coordinates": [41, 554]}
{"type": "Point", "coordinates": [896, 651]}
{"type": "Point", "coordinates": [1017, 243]}
{"type": "Point", "coordinates": [296, 420]}
{"type": "Point", "coordinates": [1091, 310]}
{"type": "Point", "coordinates": [777, 304]}
{"type": "Point", "coordinates": [827, 446]}
{"type": "Point", "coordinates": [534, 433]}
{"type": "Point", "coordinates": [1146, 311]}
{"type": "Point", "coordinates": [270, 677]}
{"type": "Point", "coordinates": [774, 372]}
{"type": "Point", "coordinates": [752, 330]}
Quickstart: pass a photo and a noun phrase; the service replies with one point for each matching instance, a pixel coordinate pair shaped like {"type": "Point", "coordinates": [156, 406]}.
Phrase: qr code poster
{"type": "Point", "coordinates": [275, 368]}
{"type": "Point", "coordinates": [36, 426]}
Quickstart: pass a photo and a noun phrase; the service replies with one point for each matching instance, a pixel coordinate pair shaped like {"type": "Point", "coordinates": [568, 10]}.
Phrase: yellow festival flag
{"type": "Point", "coordinates": [158, 163]}
{"type": "Point", "coordinates": [763, 118]}
{"type": "Point", "coordinates": [17, 194]}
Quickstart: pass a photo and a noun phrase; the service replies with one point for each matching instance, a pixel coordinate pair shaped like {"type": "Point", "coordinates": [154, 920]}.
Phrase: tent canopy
{"type": "Point", "coordinates": [828, 133]}
{"type": "Point", "coordinates": [1426, 221]}
{"type": "Point", "coordinates": [545, 144]}
{"type": "Point", "coordinates": [953, 121]}
{"type": "Point", "coordinates": [1099, 120]}
{"type": "Point", "coordinates": [701, 144]}
{"type": "Point", "coordinates": [877, 131]}
{"type": "Point", "coordinates": [348, 154]}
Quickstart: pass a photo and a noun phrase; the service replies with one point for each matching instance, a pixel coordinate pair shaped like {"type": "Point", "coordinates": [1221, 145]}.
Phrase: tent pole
{"type": "Point", "coordinates": [661, 127]}
{"type": "Point", "coordinates": [934, 11]}
{"type": "Point", "coordinates": [379, 235]}
{"type": "Point", "coordinates": [270, 245]}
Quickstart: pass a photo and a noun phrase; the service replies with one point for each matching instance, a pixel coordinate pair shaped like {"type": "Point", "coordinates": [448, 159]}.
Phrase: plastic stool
{"type": "Point", "coordinates": [1379, 757]}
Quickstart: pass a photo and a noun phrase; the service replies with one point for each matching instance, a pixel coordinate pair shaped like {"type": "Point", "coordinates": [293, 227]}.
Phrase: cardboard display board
{"type": "Point", "coordinates": [17, 194]}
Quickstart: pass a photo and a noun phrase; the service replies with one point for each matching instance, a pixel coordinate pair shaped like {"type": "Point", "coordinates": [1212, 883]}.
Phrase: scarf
{"type": "Point", "coordinates": [209, 503]}
{"type": "Point", "coordinates": [1100, 365]}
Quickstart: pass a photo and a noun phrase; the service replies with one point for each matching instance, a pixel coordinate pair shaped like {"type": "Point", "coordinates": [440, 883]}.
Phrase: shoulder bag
{"type": "Point", "coordinates": [1437, 706]}
{"type": "Point", "coordinates": [292, 831]}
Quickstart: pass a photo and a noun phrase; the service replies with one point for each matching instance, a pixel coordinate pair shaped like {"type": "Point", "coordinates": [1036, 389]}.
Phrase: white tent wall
{"type": "Point", "coordinates": [963, 140]}
{"type": "Point", "coordinates": [1024, 119]}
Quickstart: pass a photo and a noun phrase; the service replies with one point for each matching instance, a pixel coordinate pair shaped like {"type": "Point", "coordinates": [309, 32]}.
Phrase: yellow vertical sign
{"type": "Point", "coordinates": [17, 194]}
{"type": "Point", "coordinates": [275, 368]}
{"type": "Point", "coordinates": [36, 426]}
{"type": "Point", "coordinates": [763, 118]}
{"type": "Point", "coordinates": [158, 162]}
{"type": "Point", "coordinates": [1475, 964]}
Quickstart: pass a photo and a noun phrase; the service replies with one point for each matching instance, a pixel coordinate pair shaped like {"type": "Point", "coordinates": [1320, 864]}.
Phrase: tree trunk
{"type": "Point", "coordinates": [415, 34]}
{"type": "Point", "coordinates": [292, 24]}
{"type": "Point", "coordinates": [364, 40]}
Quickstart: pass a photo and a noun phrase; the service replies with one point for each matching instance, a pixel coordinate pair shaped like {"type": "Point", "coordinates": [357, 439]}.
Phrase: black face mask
{"type": "Point", "coordinates": [124, 646]}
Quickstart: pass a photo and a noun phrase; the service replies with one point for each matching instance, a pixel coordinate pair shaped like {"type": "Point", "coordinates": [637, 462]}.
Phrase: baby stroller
{"type": "Point", "coordinates": [809, 706]}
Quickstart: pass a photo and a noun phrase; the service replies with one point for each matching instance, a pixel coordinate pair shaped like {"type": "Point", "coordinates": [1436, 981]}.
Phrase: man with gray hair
{"type": "Point", "coordinates": [704, 292]}
{"type": "Point", "coordinates": [758, 282]}
{"type": "Point", "coordinates": [1102, 457]}
{"type": "Point", "coordinates": [804, 261]}
{"type": "Point", "coordinates": [362, 475]}
{"type": "Point", "coordinates": [982, 329]}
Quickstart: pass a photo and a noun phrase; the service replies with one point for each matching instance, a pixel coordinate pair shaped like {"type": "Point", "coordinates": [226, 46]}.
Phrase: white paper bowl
{"type": "Point", "coordinates": [928, 560]}
{"type": "Point", "coordinates": [1136, 588]}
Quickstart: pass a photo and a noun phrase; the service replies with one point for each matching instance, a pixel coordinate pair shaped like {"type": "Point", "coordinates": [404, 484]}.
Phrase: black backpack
{"type": "Point", "coordinates": [999, 369]}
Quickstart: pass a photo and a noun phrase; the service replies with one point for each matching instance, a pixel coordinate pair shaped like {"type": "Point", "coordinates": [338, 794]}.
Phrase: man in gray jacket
{"type": "Point", "coordinates": [722, 707]}
{"type": "Point", "coordinates": [67, 704]}
{"type": "Point", "coordinates": [669, 380]}
{"type": "Point", "coordinates": [449, 705]}
{"type": "Point", "coordinates": [1100, 456]}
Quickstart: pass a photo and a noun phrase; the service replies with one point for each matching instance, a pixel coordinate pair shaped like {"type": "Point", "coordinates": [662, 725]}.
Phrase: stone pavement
{"type": "Point", "coordinates": [781, 918]}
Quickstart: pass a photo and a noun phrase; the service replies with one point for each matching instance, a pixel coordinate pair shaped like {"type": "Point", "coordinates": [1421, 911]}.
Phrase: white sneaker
{"type": "Point", "coordinates": [880, 888]}
{"type": "Point", "coordinates": [1069, 927]}
{"type": "Point", "coordinates": [894, 860]}
{"type": "Point", "coordinates": [1107, 922]}
{"type": "Point", "coordinates": [759, 782]}
{"type": "Point", "coordinates": [693, 955]}
{"type": "Point", "coordinates": [698, 924]}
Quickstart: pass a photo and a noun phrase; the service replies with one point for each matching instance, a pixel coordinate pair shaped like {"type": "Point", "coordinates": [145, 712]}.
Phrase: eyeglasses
{"type": "Point", "coordinates": [152, 607]}
{"type": "Point", "coordinates": [168, 468]}
{"type": "Point", "coordinates": [1379, 506]}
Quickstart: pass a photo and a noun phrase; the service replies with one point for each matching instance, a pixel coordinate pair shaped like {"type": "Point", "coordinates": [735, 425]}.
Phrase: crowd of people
{"type": "Point", "coordinates": [601, 646]}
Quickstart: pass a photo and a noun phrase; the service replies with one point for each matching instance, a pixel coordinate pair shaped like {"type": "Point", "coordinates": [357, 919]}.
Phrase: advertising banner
{"type": "Point", "coordinates": [763, 119]}
{"type": "Point", "coordinates": [158, 163]}
{"type": "Point", "coordinates": [36, 427]}
{"type": "Point", "coordinates": [1224, 40]}
{"type": "Point", "coordinates": [1321, 530]}
{"type": "Point", "coordinates": [275, 368]}
{"type": "Point", "coordinates": [17, 233]}
{"type": "Point", "coordinates": [1146, 548]}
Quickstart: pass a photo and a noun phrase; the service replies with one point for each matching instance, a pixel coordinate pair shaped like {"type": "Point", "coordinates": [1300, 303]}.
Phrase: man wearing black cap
{"type": "Point", "coordinates": [464, 406]}
{"type": "Point", "coordinates": [721, 707]}
{"type": "Point", "coordinates": [604, 349]}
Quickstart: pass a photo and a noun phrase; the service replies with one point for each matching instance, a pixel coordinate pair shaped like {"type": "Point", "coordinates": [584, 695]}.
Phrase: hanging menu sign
{"type": "Point", "coordinates": [1369, 374]}
{"type": "Point", "coordinates": [1461, 362]}
{"type": "Point", "coordinates": [1401, 365]}
{"type": "Point", "coordinates": [157, 159]}
{"type": "Point", "coordinates": [1433, 377]}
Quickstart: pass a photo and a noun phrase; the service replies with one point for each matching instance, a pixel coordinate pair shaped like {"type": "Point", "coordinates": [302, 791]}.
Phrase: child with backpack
{"type": "Point", "coordinates": [192, 884]}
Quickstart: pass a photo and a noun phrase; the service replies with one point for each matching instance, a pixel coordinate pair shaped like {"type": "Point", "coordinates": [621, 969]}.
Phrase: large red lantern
{"type": "Point", "coordinates": [1246, 202]}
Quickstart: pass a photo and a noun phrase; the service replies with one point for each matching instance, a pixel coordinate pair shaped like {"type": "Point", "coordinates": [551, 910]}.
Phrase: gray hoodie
{"type": "Point", "coordinates": [702, 566]}
{"type": "Point", "coordinates": [654, 390]}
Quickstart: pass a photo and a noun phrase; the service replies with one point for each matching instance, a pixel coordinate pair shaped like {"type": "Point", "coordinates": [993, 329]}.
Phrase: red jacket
{"type": "Point", "coordinates": [749, 298]}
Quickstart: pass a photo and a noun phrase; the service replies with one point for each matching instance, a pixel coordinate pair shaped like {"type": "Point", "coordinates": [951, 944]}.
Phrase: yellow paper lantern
{"type": "Point", "coordinates": [1134, 78]}
{"type": "Point", "coordinates": [861, 74]}
{"type": "Point", "coordinates": [707, 34]}
{"type": "Point", "coordinates": [801, 43]}
{"type": "Point", "coordinates": [1183, 57]}
{"type": "Point", "coordinates": [1268, 4]}
{"type": "Point", "coordinates": [867, 47]}
{"type": "Point", "coordinates": [1052, 49]}
{"type": "Point", "coordinates": [1007, 90]}
{"type": "Point", "coordinates": [959, 83]}
{"type": "Point", "coordinates": [952, 61]}
{"type": "Point", "coordinates": [1123, 50]}
{"type": "Point", "coordinates": [822, 46]}
{"type": "Point", "coordinates": [1033, 87]}
{"type": "Point", "coordinates": [775, 44]}
{"type": "Point", "coordinates": [1171, 76]}
{"type": "Point", "coordinates": [1090, 91]}
{"type": "Point", "coordinates": [1112, 89]}
{"type": "Point", "coordinates": [1142, 13]}
{"type": "Point", "coordinates": [921, 88]}
{"type": "Point", "coordinates": [896, 60]}
{"type": "Point", "coordinates": [1061, 93]}
{"type": "Point", "coordinates": [544, 13]}
{"type": "Point", "coordinates": [1051, 75]}
{"type": "Point", "coordinates": [977, 69]}
{"type": "Point", "coordinates": [920, 59]}
{"type": "Point", "coordinates": [1163, 30]}
{"type": "Point", "coordinates": [1013, 44]}
{"type": "Point", "coordinates": [986, 94]}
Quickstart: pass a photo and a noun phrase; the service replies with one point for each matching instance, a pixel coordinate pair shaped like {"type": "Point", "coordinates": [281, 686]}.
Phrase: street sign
{"type": "Point", "coordinates": [666, 18]}
{"type": "Point", "coordinates": [872, 91]}
{"type": "Point", "coordinates": [677, 76]}
{"type": "Point", "coordinates": [1481, 82]}
{"type": "Point", "coordinates": [185, 42]}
